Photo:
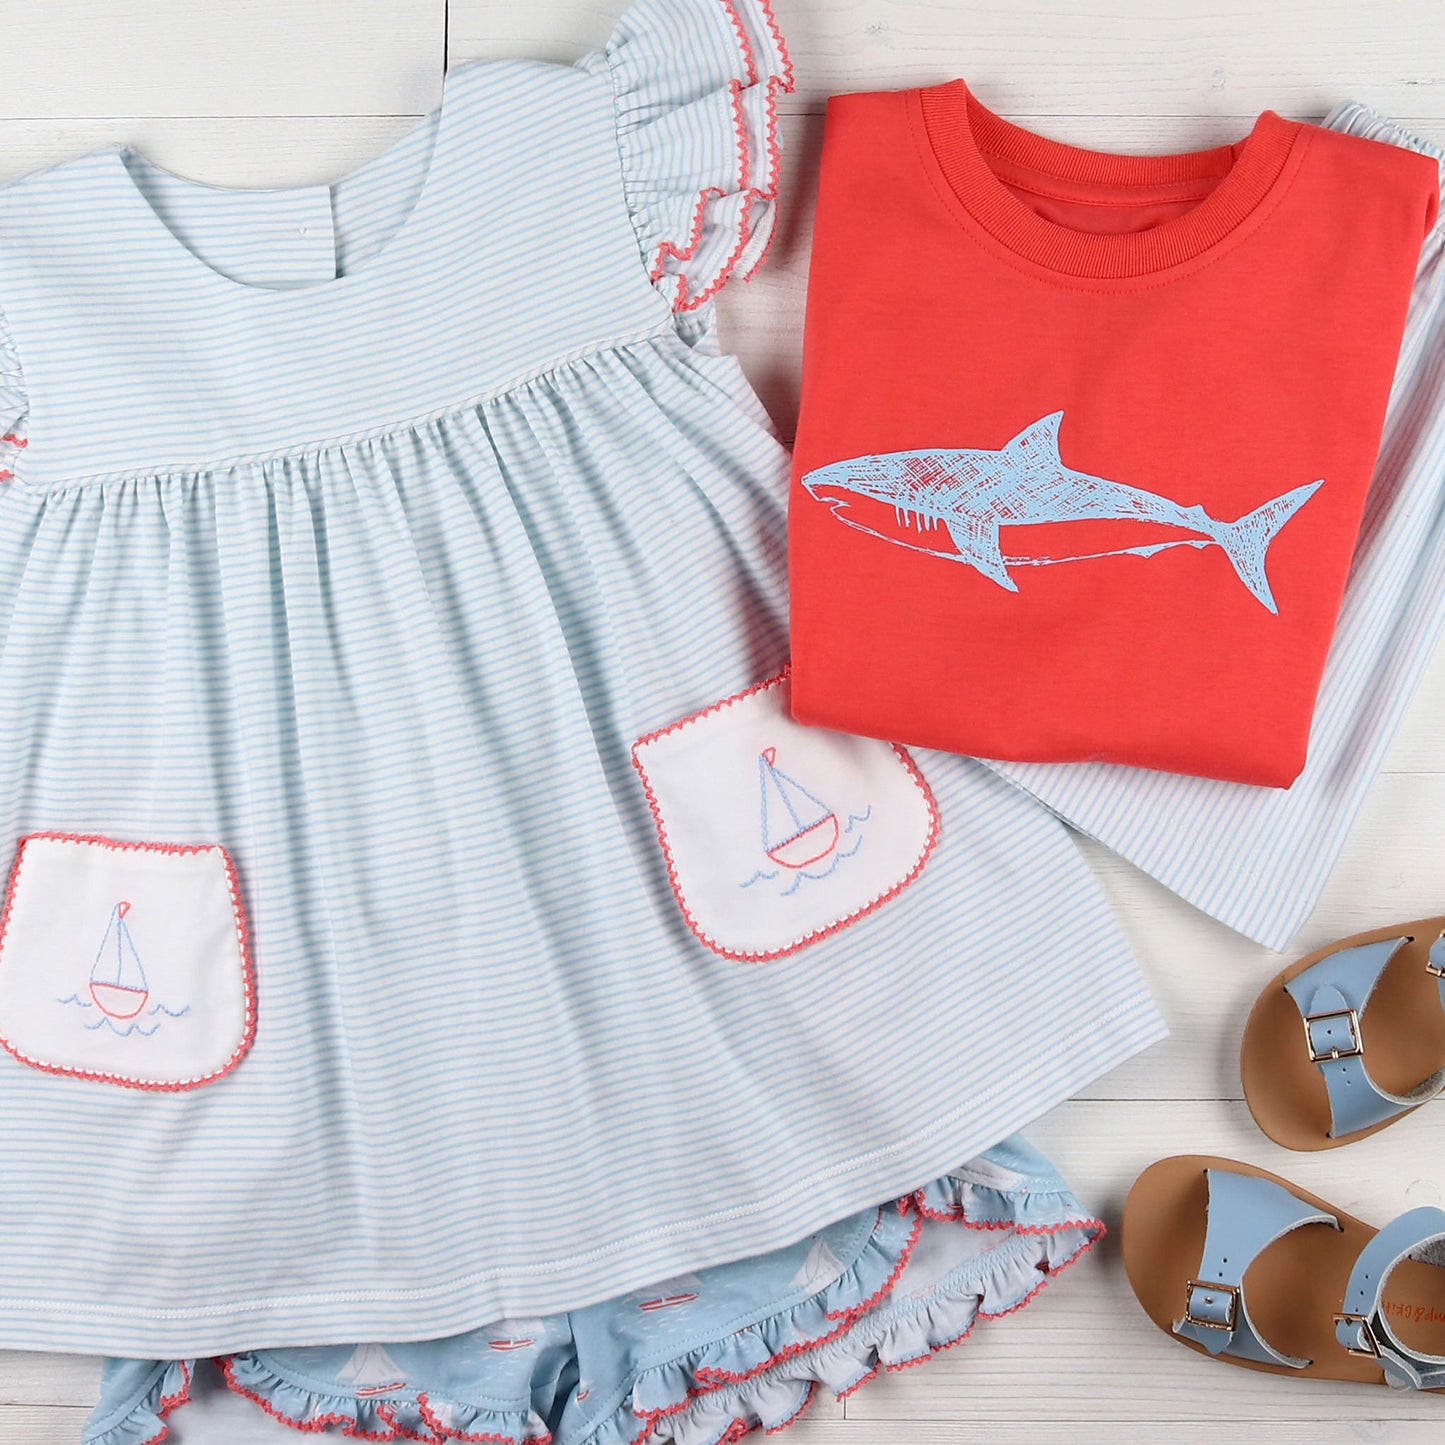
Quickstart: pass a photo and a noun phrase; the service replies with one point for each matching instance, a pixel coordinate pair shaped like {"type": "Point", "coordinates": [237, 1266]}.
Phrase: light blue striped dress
{"type": "Point", "coordinates": [1258, 859]}
{"type": "Point", "coordinates": [360, 532]}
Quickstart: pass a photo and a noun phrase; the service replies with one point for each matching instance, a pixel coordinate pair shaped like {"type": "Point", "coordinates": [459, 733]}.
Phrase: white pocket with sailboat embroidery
{"type": "Point", "coordinates": [123, 962]}
{"type": "Point", "coordinates": [775, 834]}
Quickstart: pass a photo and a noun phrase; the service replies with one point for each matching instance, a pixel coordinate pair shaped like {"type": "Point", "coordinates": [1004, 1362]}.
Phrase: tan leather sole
{"type": "Point", "coordinates": [1295, 1285]}
{"type": "Point", "coordinates": [1402, 1029]}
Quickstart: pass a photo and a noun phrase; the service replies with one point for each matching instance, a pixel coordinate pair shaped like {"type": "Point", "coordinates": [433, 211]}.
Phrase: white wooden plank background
{"type": "Point", "coordinates": [268, 92]}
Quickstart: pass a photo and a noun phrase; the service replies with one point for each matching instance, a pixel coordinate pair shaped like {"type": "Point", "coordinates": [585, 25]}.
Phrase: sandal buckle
{"type": "Point", "coordinates": [1370, 1350]}
{"type": "Point", "coordinates": [1231, 1318]}
{"type": "Point", "coordinates": [1324, 1056]}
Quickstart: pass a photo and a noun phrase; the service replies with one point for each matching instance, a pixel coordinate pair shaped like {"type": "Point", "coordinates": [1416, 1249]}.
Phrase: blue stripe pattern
{"type": "Point", "coordinates": [375, 577]}
{"type": "Point", "coordinates": [1258, 859]}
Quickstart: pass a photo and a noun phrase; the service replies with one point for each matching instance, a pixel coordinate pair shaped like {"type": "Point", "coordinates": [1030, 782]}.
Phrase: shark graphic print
{"type": "Point", "coordinates": [953, 503]}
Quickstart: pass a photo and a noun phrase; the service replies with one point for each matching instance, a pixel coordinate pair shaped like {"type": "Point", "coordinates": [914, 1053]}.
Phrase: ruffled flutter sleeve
{"type": "Point", "coordinates": [14, 404]}
{"type": "Point", "coordinates": [695, 84]}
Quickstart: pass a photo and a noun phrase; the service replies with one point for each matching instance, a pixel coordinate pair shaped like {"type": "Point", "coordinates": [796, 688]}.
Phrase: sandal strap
{"type": "Point", "coordinates": [1245, 1215]}
{"type": "Point", "coordinates": [1330, 996]}
{"type": "Point", "coordinates": [1361, 1327]}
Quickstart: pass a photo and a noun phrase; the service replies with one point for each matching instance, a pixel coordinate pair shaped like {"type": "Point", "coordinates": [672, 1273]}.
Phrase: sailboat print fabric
{"type": "Point", "coordinates": [367, 555]}
{"type": "Point", "coordinates": [698, 1359]}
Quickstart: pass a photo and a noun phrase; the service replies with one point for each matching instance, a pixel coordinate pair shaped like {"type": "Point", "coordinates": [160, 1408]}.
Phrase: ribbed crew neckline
{"type": "Point", "coordinates": [965, 137]}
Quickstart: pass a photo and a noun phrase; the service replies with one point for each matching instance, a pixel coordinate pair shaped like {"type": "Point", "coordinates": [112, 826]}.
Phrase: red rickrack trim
{"type": "Point", "coordinates": [864, 1379]}
{"type": "Point", "coordinates": [761, 256]}
{"type": "Point", "coordinates": [958, 1215]}
{"type": "Point", "coordinates": [667, 249]}
{"type": "Point", "coordinates": [779, 42]}
{"type": "Point", "coordinates": [745, 44]}
{"type": "Point", "coordinates": [313, 1426]}
{"type": "Point", "coordinates": [678, 1406]}
{"type": "Point", "coordinates": [19, 443]}
{"type": "Point", "coordinates": [167, 1403]}
{"type": "Point", "coordinates": [445, 1432]}
{"type": "Point", "coordinates": [715, 1379]}
{"type": "Point", "coordinates": [1050, 1273]}
{"type": "Point", "coordinates": [793, 1418]}
{"type": "Point", "coordinates": [399, 1431]}
{"type": "Point", "coordinates": [783, 673]}
{"type": "Point", "coordinates": [818, 934]}
{"type": "Point", "coordinates": [350, 1426]}
{"type": "Point", "coordinates": [855, 1312]}
{"type": "Point", "coordinates": [1034, 1230]}
{"type": "Point", "coordinates": [243, 939]}
{"type": "Point", "coordinates": [1091, 1239]}
{"type": "Point", "coordinates": [894, 1366]}
{"type": "Point", "coordinates": [739, 1427]}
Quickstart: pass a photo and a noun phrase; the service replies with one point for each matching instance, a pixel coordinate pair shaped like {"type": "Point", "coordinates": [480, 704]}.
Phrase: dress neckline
{"type": "Point", "coordinates": [962, 137]}
{"type": "Point", "coordinates": [381, 262]}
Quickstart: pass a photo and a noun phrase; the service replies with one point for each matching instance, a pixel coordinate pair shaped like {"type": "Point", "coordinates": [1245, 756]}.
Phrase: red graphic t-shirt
{"type": "Point", "coordinates": [1085, 438]}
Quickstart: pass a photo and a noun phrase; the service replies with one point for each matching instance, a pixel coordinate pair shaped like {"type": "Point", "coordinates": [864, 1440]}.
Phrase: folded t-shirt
{"type": "Point", "coordinates": [1085, 438]}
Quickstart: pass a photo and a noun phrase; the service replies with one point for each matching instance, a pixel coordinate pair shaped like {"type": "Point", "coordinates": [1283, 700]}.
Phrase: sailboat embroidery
{"type": "Point", "coordinates": [118, 984]}
{"type": "Point", "coordinates": [800, 831]}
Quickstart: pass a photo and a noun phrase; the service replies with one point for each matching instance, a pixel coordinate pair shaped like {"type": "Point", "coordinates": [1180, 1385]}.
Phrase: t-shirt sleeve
{"type": "Point", "coordinates": [1431, 186]}
{"type": "Point", "coordinates": [695, 85]}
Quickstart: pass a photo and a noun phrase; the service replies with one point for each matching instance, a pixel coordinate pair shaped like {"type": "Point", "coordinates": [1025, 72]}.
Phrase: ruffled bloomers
{"type": "Point", "coordinates": [700, 1359]}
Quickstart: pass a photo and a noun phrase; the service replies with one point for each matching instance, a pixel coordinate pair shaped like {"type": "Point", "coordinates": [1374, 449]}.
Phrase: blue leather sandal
{"type": "Point", "coordinates": [1349, 1039]}
{"type": "Point", "coordinates": [1239, 1264]}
